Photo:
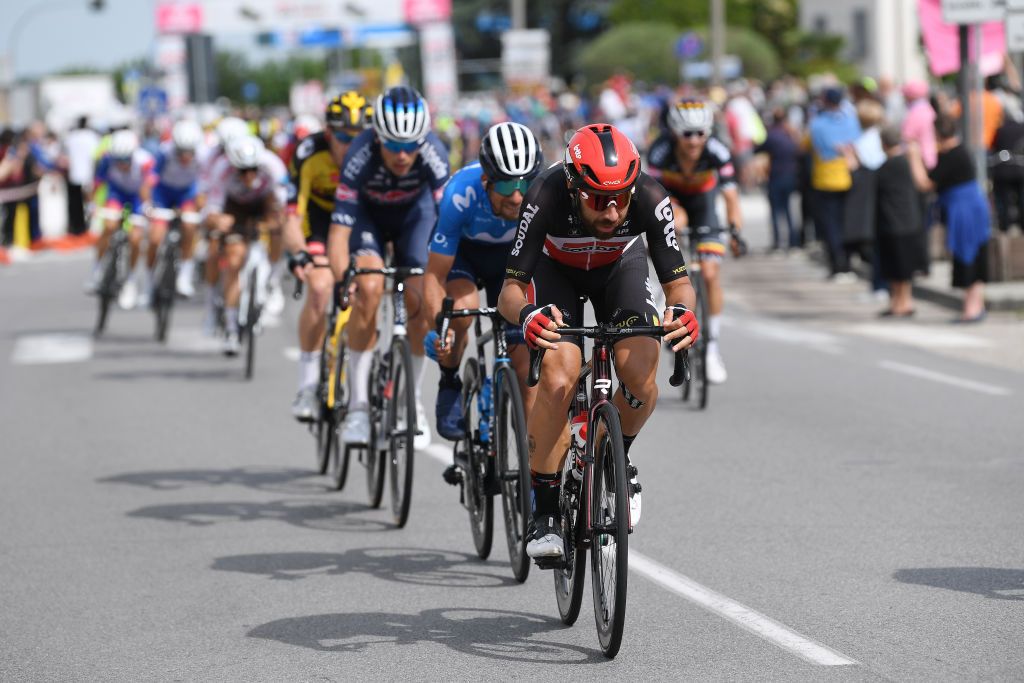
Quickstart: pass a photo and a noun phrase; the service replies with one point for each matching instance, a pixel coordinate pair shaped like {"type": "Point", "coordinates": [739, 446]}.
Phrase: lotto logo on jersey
{"type": "Point", "coordinates": [728, 170]}
{"type": "Point", "coordinates": [344, 193]}
{"type": "Point", "coordinates": [663, 212]}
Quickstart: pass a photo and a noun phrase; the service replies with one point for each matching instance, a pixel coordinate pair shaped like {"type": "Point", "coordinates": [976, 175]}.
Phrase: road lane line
{"type": "Point", "coordinates": [739, 614]}
{"type": "Point", "coordinates": [39, 349]}
{"type": "Point", "coordinates": [725, 607]}
{"type": "Point", "coordinates": [923, 373]}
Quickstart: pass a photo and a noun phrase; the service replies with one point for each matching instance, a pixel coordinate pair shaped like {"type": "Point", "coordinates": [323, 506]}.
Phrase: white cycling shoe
{"type": "Point", "coordinates": [545, 542]}
{"type": "Point", "coordinates": [231, 345]}
{"type": "Point", "coordinates": [356, 428]}
{"type": "Point", "coordinates": [421, 440]}
{"type": "Point", "coordinates": [305, 405]}
{"type": "Point", "coordinates": [183, 284]}
{"type": "Point", "coordinates": [129, 296]}
{"type": "Point", "coordinates": [715, 368]}
{"type": "Point", "coordinates": [275, 299]}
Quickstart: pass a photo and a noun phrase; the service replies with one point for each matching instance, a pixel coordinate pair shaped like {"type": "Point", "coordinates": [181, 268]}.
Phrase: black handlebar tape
{"type": "Point", "coordinates": [680, 369]}
{"type": "Point", "coordinates": [445, 319]}
{"type": "Point", "coordinates": [298, 289]}
{"type": "Point", "coordinates": [536, 356]}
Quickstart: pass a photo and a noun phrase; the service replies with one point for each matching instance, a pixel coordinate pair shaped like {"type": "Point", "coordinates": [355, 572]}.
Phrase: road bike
{"type": "Point", "coordinates": [332, 399]}
{"type": "Point", "coordinates": [595, 487]}
{"type": "Point", "coordinates": [493, 457]}
{"type": "Point", "coordinates": [697, 386]}
{"type": "Point", "coordinates": [165, 273]}
{"type": "Point", "coordinates": [253, 280]}
{"type": "Point", "coordinates": [392, 396]}
{"type": "Point", "coordinates": [114, 268]}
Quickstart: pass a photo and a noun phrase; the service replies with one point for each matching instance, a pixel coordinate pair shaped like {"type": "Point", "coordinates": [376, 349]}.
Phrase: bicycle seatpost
{"type": "Point", "coordinates": [445, 320]}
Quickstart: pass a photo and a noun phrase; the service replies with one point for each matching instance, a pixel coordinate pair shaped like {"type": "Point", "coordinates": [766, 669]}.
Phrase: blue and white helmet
{"type": "Point", "coordinates": [401, 115]}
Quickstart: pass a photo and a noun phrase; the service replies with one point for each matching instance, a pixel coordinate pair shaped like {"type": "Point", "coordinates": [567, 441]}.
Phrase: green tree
{"type": "Point", "coordinates": [645, 49]}
{"type": "Point", "coordinates": [274, 79]}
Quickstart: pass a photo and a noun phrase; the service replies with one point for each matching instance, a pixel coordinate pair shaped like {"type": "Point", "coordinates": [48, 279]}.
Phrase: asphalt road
{"type": "Point", "coordinates": [849, 507]}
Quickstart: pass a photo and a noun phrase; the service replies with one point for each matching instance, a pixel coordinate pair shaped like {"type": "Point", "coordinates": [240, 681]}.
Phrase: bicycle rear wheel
{"type": "Point", "coordinates": [513, 465]}
{"type": "Point", "coordinates": [108, 287]}
{"type": "Point", "coordinates": [609, 512]}
{"type": "Point", "coordinates": [377, 446]}
{"type": "Point", "coordinates": [401, 429]}
{"type": "Point", "coordinates": [569, 579]}
{"type": "Point", "coordinates": [341, 452]}
{"type": "Point", "coordinates": [324, 440]}
{"type": "Point", "coordinates": [163, 295]}
{"type": "Point", "coordinates": [474, 479]}
{"type": "Point", "coordinates": [251, 318]}
{"type": "Point", "coordinates": [698, 384]}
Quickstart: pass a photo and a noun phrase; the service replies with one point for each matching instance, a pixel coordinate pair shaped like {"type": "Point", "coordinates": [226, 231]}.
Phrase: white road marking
{"type": "Point", "coordinates": [923, 373]}
{"type": "Point", "coordinates": [919, 335]}
{"type": "Point", "coordinates": [725, 607]}
{"type": "Point", "coordinates": [39, 349]}
{"type": "Point", "coordinates": [737, 613]}
{"type": "Point", "coordinates": [787, 334]}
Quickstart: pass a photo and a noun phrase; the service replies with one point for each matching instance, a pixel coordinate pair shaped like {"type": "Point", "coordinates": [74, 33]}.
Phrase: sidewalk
{"type": "Point", "coordinates": [999, 296]}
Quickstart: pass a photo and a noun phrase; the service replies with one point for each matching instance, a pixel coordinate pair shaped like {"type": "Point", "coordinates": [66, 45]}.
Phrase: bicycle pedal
{"type": "Point", "coordinates": [452, 475]}
{"type": "Point", "coordinates": [549, 562]}
{"type": "Point", "coordinates": [631, 471]}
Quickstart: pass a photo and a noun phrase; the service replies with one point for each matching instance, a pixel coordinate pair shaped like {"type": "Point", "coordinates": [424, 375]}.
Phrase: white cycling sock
{"type": "Point", "coordinates": [309, 369]}
{"type": "Point", "coordinates": [714, 330]}
{"type": "Point", "coordinates": [277, 270]}
{"type": "Point", "coordinates": [187, 269]}
{"type": "Point", "coordinates": [231, 319]}
{"type": "Point", "coordinates": [359, 365]}
{"type": "Point", "coordinates": [418, 369]}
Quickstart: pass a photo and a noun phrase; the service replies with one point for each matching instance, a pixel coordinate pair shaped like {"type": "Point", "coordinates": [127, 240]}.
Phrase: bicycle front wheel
{"type": "Point", "coordinates": [251, 318]}
{"type": "Point", "coordinates": [336, 408]}
{"type": "Point", "coordinates": [163, 298]}
{"type": "Point", "coordinates": [108, 287]}
{"type": "Point", "coordinates": [513, 464]}
{"type": "Point", "coordinates": [698, 384]}
{"type": "Point", "coordinates": [474, 478]}
{"type": "Point", "coordinates": [609, 506]}
{"type": "Point", "coordinates": [401, 428]}
{"type": "Point", "coordinates": [377, 446]}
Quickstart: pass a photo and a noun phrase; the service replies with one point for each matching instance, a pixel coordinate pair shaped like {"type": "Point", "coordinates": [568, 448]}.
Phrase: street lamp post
{"type": "Point", "coordinates": [717, 40]}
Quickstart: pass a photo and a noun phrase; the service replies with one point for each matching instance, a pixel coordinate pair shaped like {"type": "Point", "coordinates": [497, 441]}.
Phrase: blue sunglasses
{"type": "Point", "coordinates": [344, 137]}
{"type": "Point", "coordinates": [396, 147]}
{"type": "Point", "coordinates": [507, 188]}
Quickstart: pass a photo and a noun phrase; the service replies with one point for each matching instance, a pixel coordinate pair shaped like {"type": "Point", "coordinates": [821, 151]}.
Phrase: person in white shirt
{"type": "Point", "coordinates": [80, 146]}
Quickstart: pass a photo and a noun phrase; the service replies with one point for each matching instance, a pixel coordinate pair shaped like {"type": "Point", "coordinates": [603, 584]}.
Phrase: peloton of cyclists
{"type": "Point", "coordinates": [695, 167]}
{"type": "Point", "coordinates": [475, 228]}
{"type": "Point", "coordinates": [579, 234]}
{"type": "Point", "coordinates": [313, 172]}
{"type": "Point", "coordinates": [391, 179]}
{"type": "Point", "coordinates": [246, 199]}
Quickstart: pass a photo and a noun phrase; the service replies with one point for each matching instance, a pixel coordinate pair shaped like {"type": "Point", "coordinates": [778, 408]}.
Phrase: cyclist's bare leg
{"type": "Point", "coordinates": [636, 366]}
{"type": "Point", "coordinates": [135, 242]}
{"type": "Point", "coordinates": [417, 324]}
{"type": "Point", "coordinates": [275, 239]}
{"type": "Point", "coordinates": [235, 250]}
{"type": "Point", "coordinates": [520, 356]}
{"type": "Point", "coordinates": [362, 324]}
{"type": "Point", "coordinates": [312, 319]}
{"type": "Point", "coordinates": [157, 231]}
{"type": "Point", "coordinates": [109, 228]}
{"type": "Point", "coordinates": [546, 425]}
{"type": "Point", "coordinates": [710, 269]}
{"type": "Point", "coordinates": [189, 229]}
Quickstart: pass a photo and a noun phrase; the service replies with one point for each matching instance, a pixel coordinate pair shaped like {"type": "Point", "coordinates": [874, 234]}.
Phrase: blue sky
{"type": "Point", "coordinates": [64, 33]}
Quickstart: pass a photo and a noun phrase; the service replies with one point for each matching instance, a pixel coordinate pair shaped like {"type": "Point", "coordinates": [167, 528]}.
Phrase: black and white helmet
{"type": "Point", "coordinates": [690, 115]}
{"type": "Point", "coordinates": [401, 115]}
{"type": "Point", "coordinates": [245, 151]}
{"type": "Point", "coordinates": [510, 151]}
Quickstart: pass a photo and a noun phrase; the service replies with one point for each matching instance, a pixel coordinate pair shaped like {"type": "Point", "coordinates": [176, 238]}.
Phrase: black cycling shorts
{"type": "Point", "coordinates": [621, 293]}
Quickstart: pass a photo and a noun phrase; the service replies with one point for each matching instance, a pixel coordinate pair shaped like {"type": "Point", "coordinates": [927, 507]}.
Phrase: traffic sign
{"type": "Point", "coordinates": [152, 101]}
{"type": "Point", "coordinates": [689, 46]}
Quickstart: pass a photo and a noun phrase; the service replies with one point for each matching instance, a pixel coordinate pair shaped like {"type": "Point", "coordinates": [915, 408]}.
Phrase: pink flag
{"type": "Point", "coordinates": [942, 42]}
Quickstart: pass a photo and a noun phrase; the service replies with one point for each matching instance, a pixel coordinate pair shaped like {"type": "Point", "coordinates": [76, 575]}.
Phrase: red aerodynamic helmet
{"type": "Point", "coordinates": [601, 159]}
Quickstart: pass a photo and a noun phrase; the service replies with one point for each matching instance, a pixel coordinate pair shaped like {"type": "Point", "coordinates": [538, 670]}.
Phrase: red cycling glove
{"type": "Point", "coordinates": [681, 312]}
{"type": "Point", "coordinates": [534, 320]}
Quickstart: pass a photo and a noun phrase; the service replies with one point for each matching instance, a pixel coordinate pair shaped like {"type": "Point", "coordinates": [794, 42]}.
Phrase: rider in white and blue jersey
{"type": "Point", "coordinates": [476, 225]}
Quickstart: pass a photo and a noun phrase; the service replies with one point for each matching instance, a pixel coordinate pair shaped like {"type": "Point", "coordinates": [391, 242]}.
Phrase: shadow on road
{"type": "Point", "coordinates": [494, 634]}
{"type": "Point", "coordinates": [308, 514]}
{"type": "Point", "coordinates": [261, 479]}
{"type": "Point", "coordinates": [997, 584]}
{"type": "Point", "coordinates": [189, 375]}
{"type": "Point", "coordinates": [404, 565]}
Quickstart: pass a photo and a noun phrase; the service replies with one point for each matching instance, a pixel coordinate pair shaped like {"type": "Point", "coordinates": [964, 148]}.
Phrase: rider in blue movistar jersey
{"type": "Point", "coordinates": [476, 226]}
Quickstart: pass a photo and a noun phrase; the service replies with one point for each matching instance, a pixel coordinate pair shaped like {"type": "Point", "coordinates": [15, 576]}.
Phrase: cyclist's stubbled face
{"type": "Point", "coordinates": [506, 208]}
{"type": "Point", "coordinates": [399, 163]}
{"type": "Point", "coordinates": [603, 223]}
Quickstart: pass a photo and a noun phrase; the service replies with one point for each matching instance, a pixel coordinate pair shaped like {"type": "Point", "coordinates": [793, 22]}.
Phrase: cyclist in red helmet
{"type": "Point", "coordinates": [579, 234]}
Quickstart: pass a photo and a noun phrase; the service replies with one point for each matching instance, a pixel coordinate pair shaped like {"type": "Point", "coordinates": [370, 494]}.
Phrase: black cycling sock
{"type": "Point", "coordinates": [627, 441]}
{"type": "Point", "coordinates": [545, 493]}
{"type": "Point", "coordinates": [449, 376]}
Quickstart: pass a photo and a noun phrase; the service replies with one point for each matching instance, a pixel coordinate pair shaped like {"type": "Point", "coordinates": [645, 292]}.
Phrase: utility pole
{"type": "Point", "coordinates": [717, 40]}
{"type": "Point", "coordinates": [518, 12]}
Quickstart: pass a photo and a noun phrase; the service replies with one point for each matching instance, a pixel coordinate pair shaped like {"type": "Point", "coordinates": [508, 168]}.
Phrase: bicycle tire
{"type": "Point", "coordinates": [401, 433]}
{"type": "Point", "coordinates": [479, 505]}
{"type": "Point", "coordinates": [374, 455]}
{"type": "Point", "coordinates": [609, 509]}
{"type": "Point", "coordinates": [164, 291]}
{"type": "Point", "coordinates": [703, 313]}
{"type": "Point", "coordinates": [320, 422]}
{"type": "Point", "coordinates": [570, 578]}
{"type": "Point", "coordinates": [107, 289]}
{"type": "Point", "coordinates": [510, 434]}
{"type": "Point", "coordinates": [342, 452]}
{"type": "Point", "coordinates": [251, 318]}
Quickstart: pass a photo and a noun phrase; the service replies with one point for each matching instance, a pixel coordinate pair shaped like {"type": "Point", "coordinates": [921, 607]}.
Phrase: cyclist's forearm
{"type": "Point", "coordinates": [512, 299]}
{"type": "Point", "coordinates": [438, 267]}
{"type": "Point", "coordinates": [680, 292]}
{"type": "Point", "coordinates": [337, 249]}
{"type": "Point", "coordinates": [294, 240]}
{"type": "Point", "coordinates": [732, 207]}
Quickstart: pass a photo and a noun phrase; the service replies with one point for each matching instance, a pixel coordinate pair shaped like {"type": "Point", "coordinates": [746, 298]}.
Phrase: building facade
{"type": "Point", "coordinates": [881, 36]}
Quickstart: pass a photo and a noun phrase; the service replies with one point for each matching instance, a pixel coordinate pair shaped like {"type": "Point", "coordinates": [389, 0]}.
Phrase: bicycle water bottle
{"type": "Point", "coordinates": [578, 442]}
